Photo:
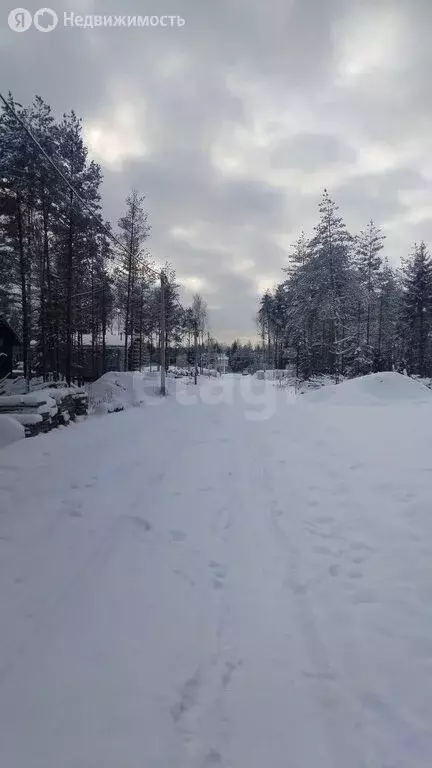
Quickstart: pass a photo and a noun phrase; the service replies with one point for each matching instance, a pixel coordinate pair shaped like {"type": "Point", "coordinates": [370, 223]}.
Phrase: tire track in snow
{"type": "Point", "coordinates": [199, 712]}
{"type": "Point", "coordinates": [339, 712]}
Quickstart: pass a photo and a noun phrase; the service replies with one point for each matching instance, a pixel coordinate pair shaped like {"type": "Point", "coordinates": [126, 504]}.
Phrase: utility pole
{"type": "Point", "coordinates": [162, 335]}
{"type": "Point", "coordinates": [196, 351]}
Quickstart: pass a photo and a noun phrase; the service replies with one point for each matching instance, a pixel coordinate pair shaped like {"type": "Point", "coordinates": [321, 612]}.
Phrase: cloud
{"type": "Point", "coordinates": [234, 123]}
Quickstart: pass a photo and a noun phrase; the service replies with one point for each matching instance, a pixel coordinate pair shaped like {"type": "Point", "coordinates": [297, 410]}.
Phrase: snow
{"type": "Point", "coordinates": [10, 431]}
{"type": "Point", "coordinates": [124, 390]}
{"type": "Point", "coordinates": [190, 585]}
{"type": "Point", "coordinates": [59, 393]}
{"type": "Point", "coordinates": [27, 418]}
{"type": "Point", "coordinates": [375, 389]}
{"type": "Point", "coordinates": [31, 401]}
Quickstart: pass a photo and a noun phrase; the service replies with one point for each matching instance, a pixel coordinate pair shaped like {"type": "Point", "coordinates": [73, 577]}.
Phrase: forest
{"type": "Point", "coordinates": [69, 279]}
{"type": "Point", "coordinates": [343, 309]}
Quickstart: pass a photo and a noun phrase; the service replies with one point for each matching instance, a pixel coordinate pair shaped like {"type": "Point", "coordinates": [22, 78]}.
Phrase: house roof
{"type": "Point", "coordinates": [111, 340]}
{"type": "Point", "coordinates": [5, 326]}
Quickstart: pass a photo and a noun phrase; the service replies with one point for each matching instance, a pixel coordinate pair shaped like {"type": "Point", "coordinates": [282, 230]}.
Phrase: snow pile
{"type": "Point", "coordinates": [116, 390]}
{"type": "Point", "coordinates": [179, 373]}
{"type": "Point", "coordinates": [28, 419]}
{"type": "Point", "coordinates": [374, 389]}
{"type": "Point", "coordinates": [30, 401]}
{"type": "Point", "coordinates": [10, 431]}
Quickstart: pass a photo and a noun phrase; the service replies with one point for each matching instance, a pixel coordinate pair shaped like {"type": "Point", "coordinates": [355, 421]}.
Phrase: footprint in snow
{"type": "Point", "coordinates": [360, 546]}
{"type": "Point", "coordinates": [323, 520]}
{"type": "Point", "coordinates": [364, 597]}
{"type": "Point", "coordinates": [140, 522]}
{"type": "Point", "coordinates": [227, 675]}
{"type": "Point", "coordinates": [321, 549]}
{"type": "Point", "coordinates": [218, 569]}
{"type": "Point", "coordinates": [187, 698]}
{"type": "Point", "coordinates": [330, 676]}
{"type": "Point", "coordinates": [73, 509]}
{"type": "Point", "coordinates": [74, 513]}
{"type": "Point", "coordinates": [355, 574]}
{"type": "Point", "coordinates": [177, 536]}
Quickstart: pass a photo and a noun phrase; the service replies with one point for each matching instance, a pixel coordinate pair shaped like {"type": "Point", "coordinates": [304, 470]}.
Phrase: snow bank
{"type": "Point", "coordinates": [118, 390]}
{"type": "Point", "coordinates": [10, 431]}
{"type": "Point", "coordinates": [374, 389]}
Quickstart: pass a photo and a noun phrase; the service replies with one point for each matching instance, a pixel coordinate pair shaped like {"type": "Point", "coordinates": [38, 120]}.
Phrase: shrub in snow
{"type": "Point", "coordinates": [10, 431]}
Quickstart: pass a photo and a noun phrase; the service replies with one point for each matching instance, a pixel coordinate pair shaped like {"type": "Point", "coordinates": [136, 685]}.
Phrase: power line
{"type": "Point", "coordinates": [145, 267]}
{"type": "Point", "coordinates": [76, 194]}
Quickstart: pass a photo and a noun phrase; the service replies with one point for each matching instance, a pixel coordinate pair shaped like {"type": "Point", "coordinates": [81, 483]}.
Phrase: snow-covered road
{"type": "Point", "coordinates": [185, 585]}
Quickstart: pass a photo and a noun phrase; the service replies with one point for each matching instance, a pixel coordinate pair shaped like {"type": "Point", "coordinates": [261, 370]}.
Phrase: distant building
{"type": "Point", "coordinates": [217, 360]}
{"type": "Point", "coordinates": [222, 362]}
{"type": "Point", "coordinates": [114, 355]}
{"type": "Point", "coordinates": [181, 361]}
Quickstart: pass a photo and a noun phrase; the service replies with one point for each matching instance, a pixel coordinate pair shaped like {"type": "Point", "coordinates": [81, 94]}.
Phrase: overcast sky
{"type": "Point", "coordinates": [233, 124]}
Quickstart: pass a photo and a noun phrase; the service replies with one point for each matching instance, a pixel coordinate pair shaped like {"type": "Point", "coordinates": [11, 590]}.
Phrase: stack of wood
{"type": "Point", "coordinates": [34, 411]}
{"type": "Point", "coordinates": [51, 406]}
{"type": "Point", "coordinates": [80, 398]}
{"type": "Point", "coordinates": [66, 403]}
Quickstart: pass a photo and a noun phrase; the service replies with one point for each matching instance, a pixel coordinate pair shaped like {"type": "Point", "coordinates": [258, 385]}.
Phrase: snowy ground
{"type": "Point", "coordinates": [221, 583]}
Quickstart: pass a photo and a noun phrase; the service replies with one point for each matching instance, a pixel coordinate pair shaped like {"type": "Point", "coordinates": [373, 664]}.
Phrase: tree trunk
{"type": "Point", "coordinates": [23, 280]}
{"type": "Point", "coordinates": [379, 342]}
{"type": "Point", "coordinates": [69, 286]}
{"type": "Point", "coordinates": [104, 326]}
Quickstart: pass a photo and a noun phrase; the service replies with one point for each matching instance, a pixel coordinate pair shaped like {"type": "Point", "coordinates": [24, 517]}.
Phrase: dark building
{"type": "Point", "coordinates": [8, 341]}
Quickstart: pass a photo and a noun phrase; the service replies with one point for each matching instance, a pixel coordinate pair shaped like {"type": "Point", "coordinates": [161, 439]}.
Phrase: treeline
{"type": "Point", "coordinates": [64, 273]}
{"type": "Point", "coordinates": [242, 357]}
{"type": "Point", "coordinates": [342, 309]}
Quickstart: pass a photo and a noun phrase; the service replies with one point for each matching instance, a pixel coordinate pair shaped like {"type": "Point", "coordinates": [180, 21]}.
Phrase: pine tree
{"type": "Point", "coordinates": [327, 288]}
{"type": "Point", "coordinates": [133, 231]}
{"type": "Point", "coordinates": [368, 262]}
{"type": "Point", "coordinates": [417, 309]}
{"type": "Point", "coordinates": [388, 351]}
